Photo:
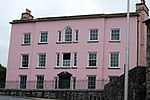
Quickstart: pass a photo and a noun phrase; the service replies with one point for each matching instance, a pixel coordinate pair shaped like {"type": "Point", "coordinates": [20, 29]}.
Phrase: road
{"type": "Point", "coordinates": [21, 98]}
{"type": "Point", "coordinates": [12, 98]}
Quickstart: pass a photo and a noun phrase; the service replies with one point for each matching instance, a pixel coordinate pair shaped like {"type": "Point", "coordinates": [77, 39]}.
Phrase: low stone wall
{"type": "Point", "coordinates": [137, 86]}
{"type": "Point", "coordinates": [56, 94]}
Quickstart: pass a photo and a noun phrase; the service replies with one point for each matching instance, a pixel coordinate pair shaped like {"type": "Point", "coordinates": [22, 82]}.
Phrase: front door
{"type": "Point", "coordinates": [64, 83]}
{"type": "Point", "coordinates": [64, 80]}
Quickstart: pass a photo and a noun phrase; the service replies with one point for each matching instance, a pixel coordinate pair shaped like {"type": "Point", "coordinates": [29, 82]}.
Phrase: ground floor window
{"type": "Point", "coordinates": [91, 82]}
{"type": "Point", "coordinates": [40, 82]}
{"type": "Point", "coordinates": [23, 81]}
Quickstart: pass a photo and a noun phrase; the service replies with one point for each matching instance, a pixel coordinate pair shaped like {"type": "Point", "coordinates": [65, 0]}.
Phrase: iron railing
{"type": "Point", "coordinates": [47, 85]}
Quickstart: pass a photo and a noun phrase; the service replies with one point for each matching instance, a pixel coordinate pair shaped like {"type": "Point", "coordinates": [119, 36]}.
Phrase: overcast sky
{"type": "Point", "coordinates": [12, 9]}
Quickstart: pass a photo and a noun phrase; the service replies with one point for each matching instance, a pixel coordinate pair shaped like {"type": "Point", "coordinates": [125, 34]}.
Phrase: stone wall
{"type": "Point", "coordinates": [56, 94]}
{"type": "Point", "coordinates": [148, 60]}
{"type": "Point", "coordinates": [112, 91]}
{"type": "Point", "coordinates": [137, 86]}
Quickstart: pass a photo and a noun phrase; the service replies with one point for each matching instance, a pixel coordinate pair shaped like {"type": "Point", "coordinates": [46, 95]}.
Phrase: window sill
{"type": "Point", "coordinates": [91, 67]}
{"type": "Point", "coordinates": [114, 68]}
{"type": "Point", "coordinates": [117, 41]}
{"type": "Point", "coordinates": [27, 44]}
{"type": "Point", "coordinates": [23, 67]}
{"type": "Point", "coordinates": [66, 42]}
{"type": "Point", "coordinates": [58, 42]}
{"type": "Point", "coordinates": [43, 43]}
{"type": "Point", "coordinates": [90, 41]}
{"type": "Point", "coordinates": [40, 67]}
{"type": "Point", "coordinates": [75, 41]}
{"type": "Point", "coordinates": [58, 67]}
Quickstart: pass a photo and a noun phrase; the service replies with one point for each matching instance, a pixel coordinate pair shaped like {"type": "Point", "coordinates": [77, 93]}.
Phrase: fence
{"type": "Point", "coordinates": [50, 85]}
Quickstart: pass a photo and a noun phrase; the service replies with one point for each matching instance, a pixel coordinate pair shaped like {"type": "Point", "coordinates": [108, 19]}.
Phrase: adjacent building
{"type": "Point", "coordinates": [74, 52]}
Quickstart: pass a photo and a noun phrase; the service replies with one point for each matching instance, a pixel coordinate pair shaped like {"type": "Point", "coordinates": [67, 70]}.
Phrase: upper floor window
{"type": "Point", "coordinates": [59, 36]}
{"type": "Point", "coordinates": [115, 35]}
{"type": "Point", "coordinates": [68, 34]}
{"type": "Point", "coordinates": [41, 60]}
{"type": "Point", "coordinates": [93, 35]}
{"type": "Point", "coordinates": [92, 59]}
{"type": "Point", "coordinates": [26, 38]}
{"type": "Point", "coordinates": [75, 59]}
{"type": "Point", "coordinates": [43, 37]}
{"type": "Point", "coordinates": [24, 60]}
{"type": "Point", "coordinates": [57, 59]}
{"type": "Point", "coordinates": [76, 36]}
{"type": "Point", "coordinates": [114, 59]}
{"type": "Point", "coordinates": [66, 59]}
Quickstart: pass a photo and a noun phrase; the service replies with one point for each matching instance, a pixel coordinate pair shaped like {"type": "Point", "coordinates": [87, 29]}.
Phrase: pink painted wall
{"type": "Point", "coordinates": [102, 47]}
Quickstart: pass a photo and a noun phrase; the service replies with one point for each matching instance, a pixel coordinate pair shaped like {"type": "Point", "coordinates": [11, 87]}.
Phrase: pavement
{"type": "Point", "coordinates": [22, 98]}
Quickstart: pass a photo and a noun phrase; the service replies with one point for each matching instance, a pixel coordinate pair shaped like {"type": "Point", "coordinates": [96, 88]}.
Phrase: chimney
{"type": "Point", "coordinates": [142, 7]}
{"type": "Point", "coordinates": [143, 1]}
{"type": "Point", "coordinates": [27, 15]}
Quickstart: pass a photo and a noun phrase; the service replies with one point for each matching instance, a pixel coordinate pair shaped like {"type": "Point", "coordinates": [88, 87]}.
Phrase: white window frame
{"type": "Point", "coordinates": [88, 60]}
{"type": "Point", "coordinates": [38, 60]}
{"type": "Point", "coordinates": [76, 39]}
{"type": "Point", "coordinates": [65, 34]}
{"type": "Point", "coordinates": [97, 34]}
{"type": "Point", "coordinates": [111, 33]}
{"type": "Point", "coordinates": [74, 82]}
{"type": "Point", "coordinates": [20, 81]}
{"type": "Point", "coordinates": [24, 38]}
{"type": "Point", "coordinates": [59, 36]}
{"type": "Point", "coordinates": [110, 60]}
{"type": "Point", "coordinates": [62, 60]}
{"type": "Point", "coordinates": [36, 81]}
{"type": "Point", "coordinates": [41, 37]}
{"type": "Point", "coordinates": [22, 61]}
{"type": "Point", "coordinates": [110, 76]}
{"type": "Point", "coordinates": [56, 83]}
{"type": "Point", "coordinates": [88, 81]}
{"type": "Point", "coordinates": [57, 59]}
{"type": "Point", "coordinates": [74, 59]}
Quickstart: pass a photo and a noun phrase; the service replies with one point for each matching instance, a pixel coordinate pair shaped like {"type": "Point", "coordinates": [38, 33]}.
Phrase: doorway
{"type": "Point", "coordinates": [64, 80]}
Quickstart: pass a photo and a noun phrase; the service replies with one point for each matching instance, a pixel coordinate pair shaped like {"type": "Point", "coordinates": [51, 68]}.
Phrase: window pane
{"type": "Point", "coordinates": [68, 34]}
{"type": "Point", "coordinates": [23, 80]}
{"type": "Point", "coordinates": [42, 60]}
{"type": "Point", "coordinates": [92, 59]}
{"type": "Point", "coordinates": [114, 59]}
{"type": "Point", "coordinates": [57, 59]}
{"type": "Point", "coordinates": [66, 56]}
{"type": "Point", "coordinates": [59, 36]}
{"type": "Point", "coordinates": [25, 59]}
{"type": "Point", "coordinates": [115, 34]}
{"type": "Point", "coordinates": [75, 59]}
{"type": "Point", "coordinates": [74, 82]}
{"type": "Point", "coordinates": [91, 82]}
{"type": "Point", "coordinates": [40, 82]}
{"type": "Point", "coordinates": [44, 36]}
{"type": "Point", "coordinates": [56, 82]}
{"type": "Point", "coordinates": [66, 59]}
{"type": "Point", "coordinates": [94, 34]}
{"type": "Point", "coordinates": [76, 35]}
{"type": "Point", "coordinates": [27, 38]}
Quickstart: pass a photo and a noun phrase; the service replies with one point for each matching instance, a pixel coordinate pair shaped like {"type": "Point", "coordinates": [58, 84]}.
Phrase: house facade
{"type": "Point", "coordinates": [73, 52]}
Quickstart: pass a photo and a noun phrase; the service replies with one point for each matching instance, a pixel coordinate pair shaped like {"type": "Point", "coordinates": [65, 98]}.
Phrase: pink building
{"type": "Point", "coordinates": [73, 52]}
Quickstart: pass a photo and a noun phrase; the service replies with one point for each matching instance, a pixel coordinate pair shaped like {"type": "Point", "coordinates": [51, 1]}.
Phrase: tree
{"type": "Point", "coordinates": [2, 76]}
